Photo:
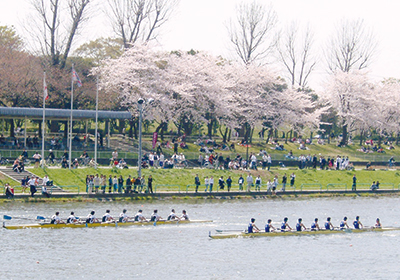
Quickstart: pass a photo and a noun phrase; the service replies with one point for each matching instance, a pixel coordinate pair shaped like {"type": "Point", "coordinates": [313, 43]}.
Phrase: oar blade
{"type": "Point", "coordinates": [40, 218]}
{"type": "Point", "coordinates": [5, 217]}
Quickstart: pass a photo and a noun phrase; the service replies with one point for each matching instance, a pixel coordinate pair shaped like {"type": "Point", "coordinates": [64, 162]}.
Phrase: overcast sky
{"type": "Point", "coordinates": [201, 25]}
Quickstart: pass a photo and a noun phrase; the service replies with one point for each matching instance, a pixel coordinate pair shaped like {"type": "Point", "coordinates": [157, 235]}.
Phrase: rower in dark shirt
{"type": "Point", "coordinates": [300, 225]}
{"type": "Point", "coordinates": [252, 228]}
{"type": "Point", "coordinates": [269, 226]}
{"type": "Point", "coordinates": [357, 224]}
{"type": "Point", "coordinates": [343, 224]}
{"type": "Point", "coordinates": [285, 226]}
{"type": "Point", "coordinates": [378, 224]}
{"type": "Point", "coordinates": [315, 226]}
{"type": "Point", "coordinates": [328, 224]}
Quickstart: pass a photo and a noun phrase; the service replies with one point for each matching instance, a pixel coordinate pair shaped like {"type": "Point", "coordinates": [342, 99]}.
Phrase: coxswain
{"type": "Point", "coordinates": [107, 217]}
{"type": "Point", "coordinates": [328, 224]}
{"type": "Point", "coordinates": [155, 217]}
{"type": "Point", "coordinates": [172, 216]}
{"type": "Point", "coordinates": [91, 218]}
{"type": "Point", "coordinates": [184, 216]}
{"type": "Point", "coordinates": [315, 226]}
{"type": "Point", "coordinates": [269, 226]}
{"type": "Point", "coordinates": [72, 219]}
{"type": "Point", "coordinates": [357, 224]}
{"type": "Point", "coordinates": [378, 223]}
{"type": "Point", "coordinates": [139, 217]}
{"type": "Point", "coordinates": [55, 219]}
{"type": "Point", "coordinates": [123, 217]}
{"type": "Point", "coordinates": [300, 226]}
{"type": "Point", "coordinates": [285, 226]}
{"type": "Point", "coordinates": [252, 228]}
{"type": "Point", "coordinates": [343, 223]}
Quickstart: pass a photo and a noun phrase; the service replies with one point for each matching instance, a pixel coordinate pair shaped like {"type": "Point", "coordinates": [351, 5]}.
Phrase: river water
{"type": "Point", "coordinates": [185, 251]}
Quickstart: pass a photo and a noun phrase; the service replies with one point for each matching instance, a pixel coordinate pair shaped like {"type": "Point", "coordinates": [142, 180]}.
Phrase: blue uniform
{"type": "Point", "coordinates": [250, 228]}
{"type": "Point", "coordinates": [283, 226]}
{"type": "Point", "coordinates": [327, 225]}
{"type": "Point", "coordinates": [342, 225]}
{"type": "Point", "coordinates": [267, 228]}
{"type": "Point", "coordinates": [298, 227]}
{"type": "Point", "coordinates": [356, 224]}
{"type": "Point", "coordinates": [314, 226]}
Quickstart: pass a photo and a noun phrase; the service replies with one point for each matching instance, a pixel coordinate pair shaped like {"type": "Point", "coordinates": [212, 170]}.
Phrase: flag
{"type": "Point", "coordinates": [75, 77]}
{"type": "Point", "coordinates": [46, 94]}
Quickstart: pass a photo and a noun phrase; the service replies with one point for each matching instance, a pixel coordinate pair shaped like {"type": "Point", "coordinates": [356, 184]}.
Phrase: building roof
{"type": "Point", "coordinates": [60, 114]}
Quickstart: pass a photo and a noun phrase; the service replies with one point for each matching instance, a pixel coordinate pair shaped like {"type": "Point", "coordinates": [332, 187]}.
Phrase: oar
{"type": "Point", "coordinates": [228, 230]}
{"type": "Point", "coordinates": [6, 217]}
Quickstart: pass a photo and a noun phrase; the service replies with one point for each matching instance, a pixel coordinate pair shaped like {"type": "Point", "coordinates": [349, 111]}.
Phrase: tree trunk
{"type": "Point", "coordinates": [344, 135]}
{"type": "Point", "coordinates": [361, 136]}
{"type": "Point", "coordinates": [210, 127]}
{"type": "Point", "coordinates": [270, 131]}
{"type": "Point", "coordinates": [12, 134]}
{"type": "Point", "coordinates": [397, 138]}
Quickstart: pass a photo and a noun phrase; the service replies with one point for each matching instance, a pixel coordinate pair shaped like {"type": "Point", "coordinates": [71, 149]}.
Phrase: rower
{"type": "Point", "coordinates": [315, 226]}
{"type": "Point", "coordinates": [55, 219]}
{"type": "Point", "coordinates": [328, 224]}
{"type": "Point", "coordinates": [155, 217]}
{"type": "Point", "coordinates": [71, 218]}
{"type": "Point", "coordinates": [139, 216]}
{"type": "Point", "coordinates": [107, 217]}
{"type": "Point", "coordinates": [285, 225]}
{"type": "Point", "coordinates": [357, 224]}
{"type": "Point", "coordinates": [269, 226]}
{"type": "Point", "coordinates": [378, 223]}
{"type": "Point", "coordinates": [300, 225]}
{"type": "Point", "coordinates": [252, 228]}
{"type": "Point", "coordinates": [343, 223]}
{"type": "Point", "coordinates": [91, 218]}
{"type": "Point", "coordinates": [123, 217]}
{"type": "Point", "coordinates": [172, 216]}
{"type": "Point", "coordinates": [184, 216]}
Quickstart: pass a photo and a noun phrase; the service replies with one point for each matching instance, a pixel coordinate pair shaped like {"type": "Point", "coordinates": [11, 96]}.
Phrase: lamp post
{"type": "Point", "coordinates": [141, 103]}
{"type": "Point", "coordinates": [140, 106]}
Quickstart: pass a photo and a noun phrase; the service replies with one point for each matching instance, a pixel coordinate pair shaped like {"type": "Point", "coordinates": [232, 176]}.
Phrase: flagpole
{"type": "Point", "coordinates": [97, 116]}
{"type": "Point", "coordinates": [70, 129]}
{"type": "Point", "coordinates": [44, 114]}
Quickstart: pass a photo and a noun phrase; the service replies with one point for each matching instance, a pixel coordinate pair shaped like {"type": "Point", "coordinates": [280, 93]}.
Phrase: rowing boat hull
{"type": "Point", "coordinates": [296, 233]}
{"type": "Point", "coordinates": [48, 225]}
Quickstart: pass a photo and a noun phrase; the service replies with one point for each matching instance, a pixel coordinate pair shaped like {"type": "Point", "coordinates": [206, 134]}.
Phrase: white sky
{"type": "Point", "coordinates": [200, 24]}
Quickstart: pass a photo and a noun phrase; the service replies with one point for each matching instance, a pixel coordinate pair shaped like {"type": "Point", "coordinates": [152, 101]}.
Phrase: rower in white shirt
{"type": "Point", "coordinates": [139, 217]}
{"type": "Point", "coordinates": [184, 216]}
{"type": "Point", "coordinates": [155, 217]}
{"type": "Point", "coordinates": [107, 217]}
{"type": "Point", "coordinates": [72, 219]}
{"type": "Point", "coordinates": [123, 217]}
{"type": "Point", "coordinates": [91, 218]}
{"type": "Point", "coordinates": [55, 219]}
{"type": "Point", "coordinates": [172, 216]}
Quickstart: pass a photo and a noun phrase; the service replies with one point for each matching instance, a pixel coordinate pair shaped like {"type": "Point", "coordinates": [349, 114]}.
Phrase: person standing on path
{"type": "Point", "coordinates": [284, 180]}
{"type": "Point", "coordinates": [354, 186]}
{"type": "Point", "coordinates": [292, 179]}
{"type": "Point", "coordinates": [207, 183]}
{"type": "Point", "coordinates": [229, 183]}
{"type": "Point", "coordinates": [221, 183]}
{"type": "Point", "coordinates": [249, 182]}
{"type": "Point", "coordinates": [150, 184]}
{"type": "Point", "coordinates": [241, 182]}
{"type": "Point", "coordinates": [197, 182]}
{"type": "Point", "coordinates": [211, 183]}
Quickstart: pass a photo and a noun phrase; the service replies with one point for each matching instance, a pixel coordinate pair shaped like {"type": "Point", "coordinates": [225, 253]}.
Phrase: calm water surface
{"type": "Point", "coordinates": [186, 252]}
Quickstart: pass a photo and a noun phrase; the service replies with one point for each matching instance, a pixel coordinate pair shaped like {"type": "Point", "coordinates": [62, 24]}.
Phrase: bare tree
{"type": "Point", "coordinates": [57, 33]}
{"type": "Point", "coordinates": [296, 53]}
{"type": "Point", "coordinates": [139, 20]}
{"type": "Point", "coordinates": [352, 47]}
{"type": "Point", "coordinates": [250, 30]}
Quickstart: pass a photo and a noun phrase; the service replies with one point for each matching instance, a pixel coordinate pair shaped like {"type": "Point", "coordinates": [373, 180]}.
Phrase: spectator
{"type": "Point", "coordinates": [196, 182]}
{"type": "Point", "coordinates": [9, 191]}
{"type": "Point", "coordinates": [249, 182]}
{"type": "Point", "coordinates": [241, 182]}
{"type": "Point", "coordinates": [221, 183]}
{"type": "Point", "coordinates": [36, 158]}
{"type": "Point", "coordinates": [229, 183]}
{"type": "Point", "coordinates": [284, 180]}
{"type": "Point", "coordinates": [128, 184]}
{"type": "Point", "coordinates": [64, 163]}
{"type": "Point", "coordinates": [211, 181]}
{"type": "Point", "coordinates": [120, 184]}
{"type": "Point", "coordinates": [354, 185]}
{"type": "Point", "coordinates": [292, 179]}
{"type": "Point", "coordinates": [150, 184]}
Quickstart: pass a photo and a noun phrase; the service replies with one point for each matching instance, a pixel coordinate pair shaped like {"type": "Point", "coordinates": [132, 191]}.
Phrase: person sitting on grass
{"type": "Point", "coordinates": [9, 191]}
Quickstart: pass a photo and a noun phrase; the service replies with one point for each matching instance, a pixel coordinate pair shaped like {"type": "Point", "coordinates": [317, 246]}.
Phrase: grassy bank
{"type": "Point", "coordinates": [173, 179]}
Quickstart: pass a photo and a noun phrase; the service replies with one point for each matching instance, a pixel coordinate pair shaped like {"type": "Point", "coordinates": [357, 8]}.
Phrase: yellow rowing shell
{"type": "Point", "coordinates": [294, 233]}
{"type": "Point", "coordinates": [111, 224]}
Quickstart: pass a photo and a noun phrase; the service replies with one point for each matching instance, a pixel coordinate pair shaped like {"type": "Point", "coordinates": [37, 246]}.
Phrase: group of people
{"type": "Point", "coordinates": [338, 163]}
{"type": "Point", "coordinates": [34, 183]}
{"type": "Point", "coordinates": [218, 161]}
{"type": "Point", "coordinates": [252, 228]}
{"type": "Point", "coordinates": [248, 183]}
{"type": "Point", "coordinates": [97, 184]}
{"type": "Point", "coordinates": [122, 217]}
